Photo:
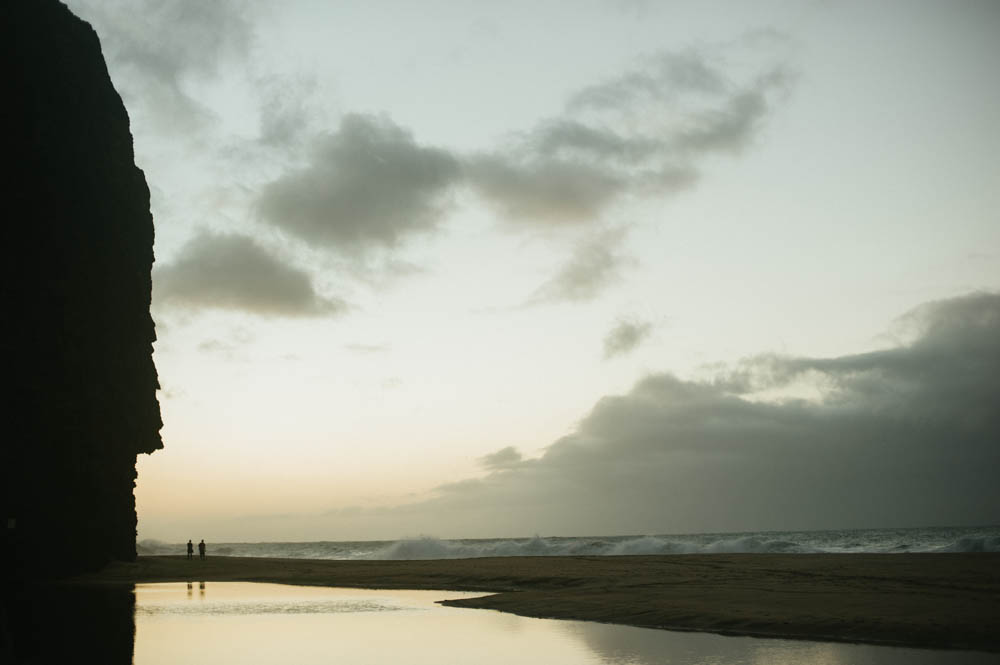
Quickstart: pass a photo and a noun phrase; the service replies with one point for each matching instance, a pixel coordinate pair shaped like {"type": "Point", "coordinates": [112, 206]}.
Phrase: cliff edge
{"type": "Point", "coordinates": [78, 334]}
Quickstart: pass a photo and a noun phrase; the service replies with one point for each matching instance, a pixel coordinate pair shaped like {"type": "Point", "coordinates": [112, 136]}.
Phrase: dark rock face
{"type": "Point", "coordinates": [77, 335]}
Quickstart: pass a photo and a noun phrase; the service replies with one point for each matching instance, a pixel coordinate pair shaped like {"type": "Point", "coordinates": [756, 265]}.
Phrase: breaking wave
{"type": "Point", "coordinates": [434, 548]}
{"type": "Point", "coordinates": [984, 544]}
{"type": "Point", "coordinates": [942, 540]}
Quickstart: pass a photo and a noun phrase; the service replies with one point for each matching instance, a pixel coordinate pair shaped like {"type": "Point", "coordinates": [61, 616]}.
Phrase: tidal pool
{"type": "Point", "coordinates": [248, 623]}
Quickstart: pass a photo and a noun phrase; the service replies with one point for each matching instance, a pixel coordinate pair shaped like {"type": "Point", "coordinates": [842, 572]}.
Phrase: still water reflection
{"type": "Point", "coordinates": [235, 622]}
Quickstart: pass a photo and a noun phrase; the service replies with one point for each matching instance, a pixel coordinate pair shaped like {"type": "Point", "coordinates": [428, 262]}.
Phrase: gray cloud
{"type": "Point", "coordinates": [596, 264]}
{"type": "Point", "coordinates": [371, 186]}
{"type": "Point", "coordinates": [368, 185]}
{"type": "Point", "coordinates": [625, 337]}
{"type": "Point", "coordinates": [544, 190]}
{"type": "Point", "coordinates": [568, 138]}
{"type": "Point", "coordinates": [662, 79]}
{"type": "Point", "coordinates": [505, 458]}
{"type": "Point", "coordinates": [155, 46]}
{"type": "Point", "coordinates": [230, 271]}
{"type": "Point", "coordinates": [732, 126]}
{"type": "Point", "coordinates": [727, 128]}
{"type": "Point", "coordinates": [643, 133]}
{"type": "Point", "coordinates": [908, 435]}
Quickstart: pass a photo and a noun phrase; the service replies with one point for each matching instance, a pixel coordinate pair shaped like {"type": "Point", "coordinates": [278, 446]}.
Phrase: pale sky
{"type": "Point", "coordinates": [408, 254]}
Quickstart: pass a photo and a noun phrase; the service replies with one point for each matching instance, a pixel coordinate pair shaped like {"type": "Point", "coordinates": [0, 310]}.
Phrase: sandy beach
{"type": "Point", "coordinates": [922, 600]}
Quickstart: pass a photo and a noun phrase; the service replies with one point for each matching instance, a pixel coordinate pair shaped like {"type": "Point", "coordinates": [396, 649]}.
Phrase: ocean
{"type": "Point", "coordinates": [929, 539]}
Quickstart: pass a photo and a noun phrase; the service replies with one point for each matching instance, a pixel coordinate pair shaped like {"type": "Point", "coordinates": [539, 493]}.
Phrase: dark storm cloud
{"type": "Point", "coordinates": [157, 45]}
{"type": "Point", "coordinates": [908, 435]}
{"type": "Point", "coordinates": [368, 185]}
{"type": "Point", "coordinates": [230, 271]}
{"type": "Point", "coordinates": [625, 337]}
{"type": "Point", "coordinates": [596, 264]}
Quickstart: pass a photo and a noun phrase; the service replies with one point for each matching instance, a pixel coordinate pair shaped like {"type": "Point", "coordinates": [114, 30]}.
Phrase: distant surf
{"type": "Point", "coordinates": [937, 539]}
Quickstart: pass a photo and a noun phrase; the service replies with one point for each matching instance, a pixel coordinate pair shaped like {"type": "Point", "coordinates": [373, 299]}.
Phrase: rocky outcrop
{"type": "Point", "coordinates": [78, 335]}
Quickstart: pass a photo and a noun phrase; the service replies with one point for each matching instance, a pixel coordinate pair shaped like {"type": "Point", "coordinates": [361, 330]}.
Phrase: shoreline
{"type": "Point", "coordinates": [940, 600]}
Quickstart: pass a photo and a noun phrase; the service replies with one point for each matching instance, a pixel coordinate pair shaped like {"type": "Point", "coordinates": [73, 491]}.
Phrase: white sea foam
{"type": "Point", "coordinates": [984, 544]}
{"type": "Point", "coordinates": [433, 548]}
{"type": "Point", "coordinates": [964, 539]}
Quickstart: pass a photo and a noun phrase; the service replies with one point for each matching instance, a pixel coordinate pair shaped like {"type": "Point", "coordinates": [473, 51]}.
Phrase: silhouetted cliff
{"type": "Point", "coordinates": [78, 336]}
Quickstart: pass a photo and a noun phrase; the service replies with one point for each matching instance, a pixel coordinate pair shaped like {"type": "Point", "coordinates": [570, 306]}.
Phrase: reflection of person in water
{"type": "Point", "coordinates": [201, 549]}
{"type": "Point", "coordinates": [190, 550]}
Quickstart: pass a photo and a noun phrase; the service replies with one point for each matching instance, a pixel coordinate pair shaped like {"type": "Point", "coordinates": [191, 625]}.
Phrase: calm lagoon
{"type": "Point", "coordinates": [248, 623]}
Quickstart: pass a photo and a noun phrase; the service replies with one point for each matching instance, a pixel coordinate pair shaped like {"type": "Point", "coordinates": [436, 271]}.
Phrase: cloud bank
{"type": "Point", "coordinates": [905, 436]}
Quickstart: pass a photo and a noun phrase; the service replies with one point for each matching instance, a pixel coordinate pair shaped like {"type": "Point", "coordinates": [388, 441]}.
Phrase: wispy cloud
{"type": "Point", "coordinates": [370, 184]}
{"type": "Point", "coordinates": [158, 47]}
{"type": "Point", "coordinates": [595, 264]}
{"type": "Point", "coordinates": [625, 337]}
{"type": "Point", "coordinates": [644, 133]}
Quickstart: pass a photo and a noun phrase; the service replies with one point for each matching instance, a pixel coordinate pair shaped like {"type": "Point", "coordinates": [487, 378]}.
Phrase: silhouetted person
{"type": "Point", "coordinates": [190, 550]}
{"type": "Point", "coordinates": [201, 549]}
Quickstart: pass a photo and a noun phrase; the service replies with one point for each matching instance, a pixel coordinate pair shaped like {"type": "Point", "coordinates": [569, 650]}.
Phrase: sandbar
{"type": "Point", "coordinates": [920, 600]}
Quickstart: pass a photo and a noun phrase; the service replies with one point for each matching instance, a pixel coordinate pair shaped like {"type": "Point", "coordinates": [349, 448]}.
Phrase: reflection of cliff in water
{"type": "Point", "coordinates": [63, 623]}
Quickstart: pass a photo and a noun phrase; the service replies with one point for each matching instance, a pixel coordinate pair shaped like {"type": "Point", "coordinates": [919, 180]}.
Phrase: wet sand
{"type": "Point", "coordinates": [922, 600]}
